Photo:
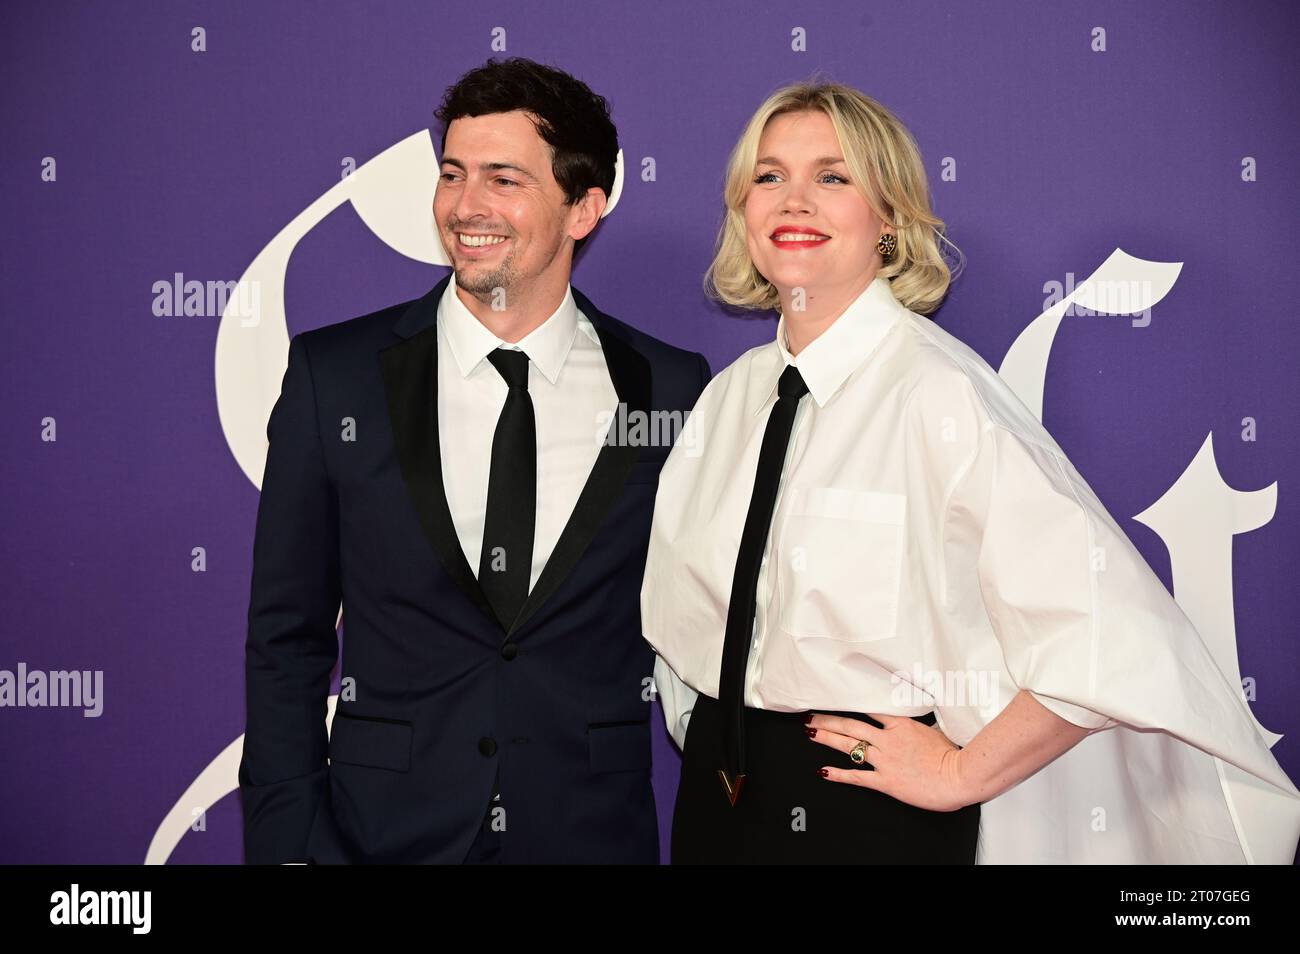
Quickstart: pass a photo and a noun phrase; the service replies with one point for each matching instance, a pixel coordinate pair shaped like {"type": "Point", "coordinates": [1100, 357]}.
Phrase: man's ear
{"type": "Point", "coordinates": [587, 212]}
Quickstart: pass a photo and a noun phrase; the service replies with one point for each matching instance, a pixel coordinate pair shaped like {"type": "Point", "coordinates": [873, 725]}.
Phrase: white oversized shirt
{"type": "Point", "coordinates": [571, 391]}
{"type": "Point", "coordinates": [933, 549]}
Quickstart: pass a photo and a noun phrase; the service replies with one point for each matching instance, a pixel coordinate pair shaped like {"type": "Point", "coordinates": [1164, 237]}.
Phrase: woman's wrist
{"type": "Point", "coordinates": [957, 772]}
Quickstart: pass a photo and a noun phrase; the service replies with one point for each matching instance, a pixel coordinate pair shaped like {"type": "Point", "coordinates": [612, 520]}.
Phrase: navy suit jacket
{"type": "Point", "coordinates": [443, 698]}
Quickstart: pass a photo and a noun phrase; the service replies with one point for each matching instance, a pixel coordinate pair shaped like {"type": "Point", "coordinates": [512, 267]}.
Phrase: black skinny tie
{"type": "Point", "coordinates": [744, 585]}
{"type": "Point", "coordinates": [506, 561]}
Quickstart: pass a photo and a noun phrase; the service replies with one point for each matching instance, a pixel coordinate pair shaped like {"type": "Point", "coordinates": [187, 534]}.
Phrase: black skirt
{"type": "Point", "coordinates": [788, 814]}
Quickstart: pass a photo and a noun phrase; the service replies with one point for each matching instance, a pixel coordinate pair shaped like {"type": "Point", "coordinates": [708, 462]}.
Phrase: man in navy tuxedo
{"type": "Point", "coordinates": [470, 475]}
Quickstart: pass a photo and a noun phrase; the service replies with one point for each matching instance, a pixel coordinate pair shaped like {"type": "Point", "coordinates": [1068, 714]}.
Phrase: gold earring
{"type": "Point", "coordinates": [886, 245]}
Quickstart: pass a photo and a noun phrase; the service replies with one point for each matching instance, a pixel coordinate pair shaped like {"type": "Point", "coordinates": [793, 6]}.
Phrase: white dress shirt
{"type": "Point", "coordinates": [571, 391]}
{"type": "Point", "coordinates": [932, 549]}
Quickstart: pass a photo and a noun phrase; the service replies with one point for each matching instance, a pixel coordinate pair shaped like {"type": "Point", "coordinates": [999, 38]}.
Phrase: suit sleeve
{"type": "Point", "coordinates": [292, 642]}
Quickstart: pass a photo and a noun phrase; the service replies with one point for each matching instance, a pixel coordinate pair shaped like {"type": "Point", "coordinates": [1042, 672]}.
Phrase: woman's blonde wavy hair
{"type": "Point", "coordinates": [880, 153]}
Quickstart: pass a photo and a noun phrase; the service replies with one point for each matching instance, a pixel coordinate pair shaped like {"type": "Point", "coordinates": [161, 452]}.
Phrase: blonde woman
{"type": "Point", "coordinates": [894, 623]}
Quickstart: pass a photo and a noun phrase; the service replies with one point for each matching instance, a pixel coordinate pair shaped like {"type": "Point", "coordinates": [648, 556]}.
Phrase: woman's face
{"type": "Point", "coordinates": [802, 184]}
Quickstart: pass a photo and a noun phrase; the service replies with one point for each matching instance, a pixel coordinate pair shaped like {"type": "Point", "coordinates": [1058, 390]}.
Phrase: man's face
{"type": "Point", "coordinates": [500, 213]}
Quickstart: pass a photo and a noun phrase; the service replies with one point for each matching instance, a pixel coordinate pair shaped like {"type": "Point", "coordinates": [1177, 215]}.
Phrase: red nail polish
{"type": "Point", "coordinates": [812, 733]}
{"type": "Point", "coordinates": [824, 773]}
{"type": "Point", "coordinates": [807, 717]}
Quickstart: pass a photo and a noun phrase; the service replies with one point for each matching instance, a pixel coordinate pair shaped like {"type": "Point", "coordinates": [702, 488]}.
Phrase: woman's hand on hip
{"type": "Point", "coordinates": [913, 762]}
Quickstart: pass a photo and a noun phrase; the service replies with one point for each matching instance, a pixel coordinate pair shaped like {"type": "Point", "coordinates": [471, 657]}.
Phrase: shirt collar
{"type": "Point", "coordinates": [826, 362]}
{"type": "Point", "coordinates": [547, 345]}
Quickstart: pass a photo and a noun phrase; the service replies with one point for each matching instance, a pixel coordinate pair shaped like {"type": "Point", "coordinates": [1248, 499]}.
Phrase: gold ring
{"type": "Point", "coordinates": [859, 753]}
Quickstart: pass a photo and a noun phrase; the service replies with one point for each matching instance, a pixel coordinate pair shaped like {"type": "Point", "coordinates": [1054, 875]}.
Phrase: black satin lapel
{"type": "Point", "coordinates": [410, 372]}
{"type": "Point", "coordinates": [630, 373]}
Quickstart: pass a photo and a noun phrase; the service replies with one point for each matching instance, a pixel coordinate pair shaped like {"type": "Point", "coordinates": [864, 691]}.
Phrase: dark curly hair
{"type": "Point", "coordinates": [571, 118]}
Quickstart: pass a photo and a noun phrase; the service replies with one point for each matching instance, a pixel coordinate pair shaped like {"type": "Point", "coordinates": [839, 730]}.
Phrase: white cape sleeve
{"type": "Point", "coordinates": [1175, 770]}
{"type": "Point", "coordinates": [677, 699]}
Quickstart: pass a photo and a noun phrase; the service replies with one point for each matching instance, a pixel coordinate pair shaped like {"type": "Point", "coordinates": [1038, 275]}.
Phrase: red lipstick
{"type": "Point", "coordinates": [787, 237]}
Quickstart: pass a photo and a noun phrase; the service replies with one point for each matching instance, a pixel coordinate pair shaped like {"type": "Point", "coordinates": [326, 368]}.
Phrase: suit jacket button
{"type": "Point", "coordinates": [487, 746]}
{"type": "Point", "coordinates": [509, 651]}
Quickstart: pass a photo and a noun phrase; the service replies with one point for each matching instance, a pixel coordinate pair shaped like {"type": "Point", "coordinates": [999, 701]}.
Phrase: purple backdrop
{"type": "Point", "coordinates": [170, 160]}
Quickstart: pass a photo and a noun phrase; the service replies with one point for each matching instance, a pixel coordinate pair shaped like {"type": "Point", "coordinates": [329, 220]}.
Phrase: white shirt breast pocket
{"type": "Point", "coordinates": [841, 564]}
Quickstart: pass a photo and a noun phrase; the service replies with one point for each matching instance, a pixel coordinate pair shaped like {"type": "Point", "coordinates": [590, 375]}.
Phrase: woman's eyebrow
{"type": "Point", "coordinates": [820, 161]}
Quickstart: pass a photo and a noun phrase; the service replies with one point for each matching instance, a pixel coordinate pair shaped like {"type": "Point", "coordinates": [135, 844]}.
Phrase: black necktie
{"type": "Point", "coordinates": [744, 584]}
{"type": "Point", "coordinates": [506, 561]}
